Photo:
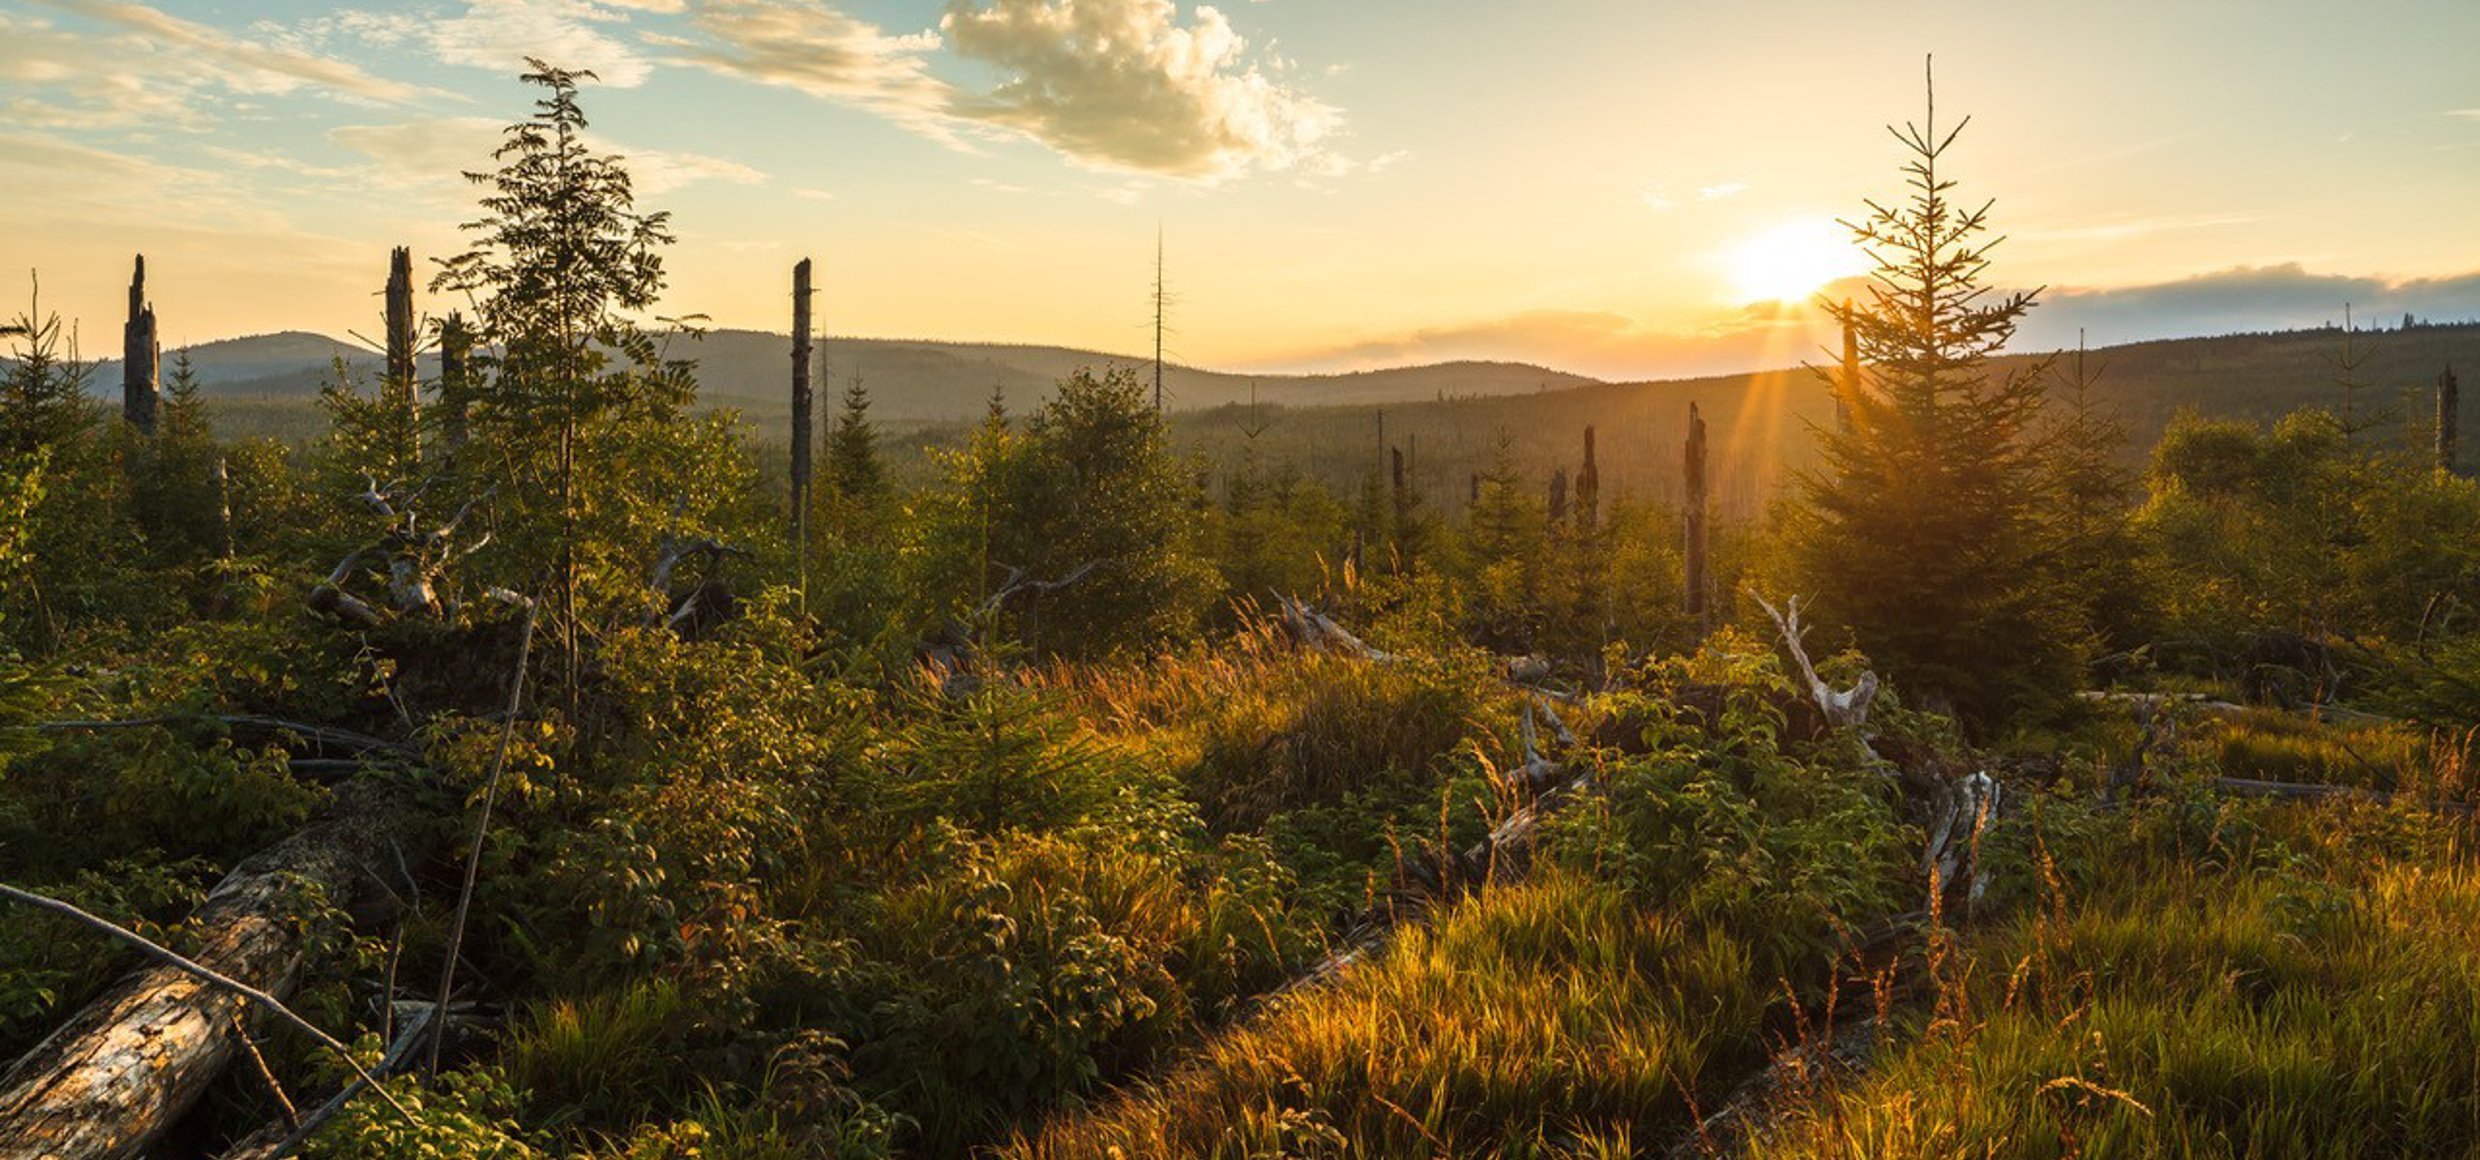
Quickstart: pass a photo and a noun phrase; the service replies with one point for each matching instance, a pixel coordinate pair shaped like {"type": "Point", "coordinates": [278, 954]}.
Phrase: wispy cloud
{"type": "Point", "coordinates": [1722, 190]}
{"type": "Point", "coordinates": [822, 52]}
{"type": "Point", "coordinates": [242, 65]}
{"type": "Point", "coordinates": [127, 65]}
{"type": "Point", "coordinates": [435, 152]}
{"type": "Point", "coordinates": [499, 35]}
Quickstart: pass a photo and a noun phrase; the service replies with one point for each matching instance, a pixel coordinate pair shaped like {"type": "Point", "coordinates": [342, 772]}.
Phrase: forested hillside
{"type": "Point", "coordinates": [537, 761]}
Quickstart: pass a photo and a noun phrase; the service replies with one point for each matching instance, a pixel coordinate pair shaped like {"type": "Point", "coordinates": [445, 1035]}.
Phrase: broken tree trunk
{"type": "Point", "coordinates": [400, 340]}
{"type": "Point", "coordinates": [141, 363]}
{"type": "Point", "coordinates": [1588, 489]}
{"type": "Point", "coordinates": [1694, 512]}
{"type": "Point", "coordinates": [2449, 416]}
{"type": "Point", "coordinates": [1433, 881]}
{"type": "Point", "coordinates": [1960, 808]}
{"type": "Point", "coordinates": [118, 1074]}
{"type": "Point", "coordinates": [1847, 386]}
{"type": "Point", "coordinates": [456, 348]}
{"type": "Point", "coordinates": [801, 403]}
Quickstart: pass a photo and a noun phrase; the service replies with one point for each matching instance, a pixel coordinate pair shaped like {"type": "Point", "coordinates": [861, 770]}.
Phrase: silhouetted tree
{"type": "Point", "coordinates": [1924, 532]}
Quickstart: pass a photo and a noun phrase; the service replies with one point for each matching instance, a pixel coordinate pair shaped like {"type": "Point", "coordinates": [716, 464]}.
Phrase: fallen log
{"type": "Point", "coordinates": [2318, 791]}
{"type": "Point", "coordinates": [1431, 882]}
{"type": "Point", "coordinates": [117, 1075]}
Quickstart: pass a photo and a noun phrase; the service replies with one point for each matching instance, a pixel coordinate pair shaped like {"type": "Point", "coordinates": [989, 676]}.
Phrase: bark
{"type": "Point", "coordinates": [400, 334]}
{"type": "Point", "coordinates": [141, 357]}
{"type": "Point", "coordinates": [122, 1071]}
{"type": "Point", "coordinates": [2449, 417]}
{"type": "Point", "coordinates": [801, 402]}
{"type": "Point", "coordinates": [1694, 515]}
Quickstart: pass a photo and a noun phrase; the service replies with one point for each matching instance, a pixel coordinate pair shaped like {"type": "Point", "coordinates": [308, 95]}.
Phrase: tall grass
{"type": "Point", "coordinates": [2315, 993]}
{"type": "Point", "coordinates": [1549, 1018]}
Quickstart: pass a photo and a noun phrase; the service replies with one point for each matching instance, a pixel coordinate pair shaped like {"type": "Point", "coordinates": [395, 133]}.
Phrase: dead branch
{"type": "Point", "coordinates": [1312, 629]}
{"type": "Point", "coordinates": [482, 827]}
{"type": "Point", "coordinates": [1847, 707]}
{"type": "Point", "coordinates": [323, 737]}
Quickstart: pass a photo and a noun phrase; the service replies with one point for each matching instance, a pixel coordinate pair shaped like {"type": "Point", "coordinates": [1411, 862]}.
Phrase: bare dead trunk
{"type": "Point", "coordinates": [1847, 388]}
{"type": "Point", "coordinates": [2449, 416]}
{"type": "Point", "coordinates": [141, 362]}
{"type": "Point", "coordinates": [456, 346]}
{"type": "Point", "coordinates": [1700, 618]}
{"type": "Point", "coordinates": [801, 404]}
{"type": "Point", "coordinates": [122, 1071]}
{"type": "Point", "coordinates": [400, 340]}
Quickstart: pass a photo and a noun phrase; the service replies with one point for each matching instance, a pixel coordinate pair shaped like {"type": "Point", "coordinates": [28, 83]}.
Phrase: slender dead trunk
{"type": "Point", "coordinates": [141, 362]}
{"type": "Point", "coordinates": [1694, 516]}
{"type": "Point", "coordinates": [1588, 489]}
{"type": "Point", "coordinates": [1847, 388]}
{"type": "Point", "coordinates": [801, 404]}
{"type": "Point", "coordinates": [456, 346]}
{"type": "Point", "coordinates": [400, 339]}
{"type": "Point", "coordinates": [2449, 416]}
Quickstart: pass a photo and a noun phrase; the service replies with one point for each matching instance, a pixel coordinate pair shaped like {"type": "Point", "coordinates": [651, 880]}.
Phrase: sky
{"type": "Point", "coordinates": [1615, 187]}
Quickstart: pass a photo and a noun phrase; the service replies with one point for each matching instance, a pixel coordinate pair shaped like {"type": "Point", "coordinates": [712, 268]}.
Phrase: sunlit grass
{"type": "Point", "coordinates": [1551, 1018]}
{"type": "Point", "coordinates": [2316, 994]}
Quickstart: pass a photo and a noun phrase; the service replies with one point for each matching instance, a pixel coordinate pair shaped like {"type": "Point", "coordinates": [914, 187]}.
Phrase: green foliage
{"type": "Point", "coordinates": [2272, 550]}
{"type": "Point", "coordinates": [43, 399]}
{"type": "Point", "coordinates": [1087, 492]}
{"type": "Point", "coordinates": [470, 1116]}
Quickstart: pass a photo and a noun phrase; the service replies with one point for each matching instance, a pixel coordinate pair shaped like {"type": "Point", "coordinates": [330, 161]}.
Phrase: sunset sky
{"type": "Point", "coordinates": [1598, 185]}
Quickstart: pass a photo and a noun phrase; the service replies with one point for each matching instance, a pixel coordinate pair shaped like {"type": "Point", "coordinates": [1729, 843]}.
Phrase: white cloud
{"type": "Point", "coordinates": [1113, 84]}
{"type": "Point", "coordinates": [1723, 190]}
{"type": "Point", "coordinates": [1122, 84]}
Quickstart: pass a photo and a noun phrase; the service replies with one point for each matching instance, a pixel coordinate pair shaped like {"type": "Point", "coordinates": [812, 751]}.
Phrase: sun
{"type": "Point", "coordinates": [1792, 261]}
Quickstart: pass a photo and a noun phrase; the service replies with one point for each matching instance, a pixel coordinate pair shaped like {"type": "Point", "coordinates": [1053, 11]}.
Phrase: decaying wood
{"type": "Point", "coordinates": [802, 424]}
{"type": "Point", "coordinates": [1844, 707]}
{"type": "Point", "coordinates": [127, 1067]}
{"type": "Point", "coordinates": [1312, 629]}
{"type": "Point", "coordinates": [1425, 884]}
{"type": "Point", "coordinates": [141, 357]}
{"type": "Point", "coordinates": [1960, 807]}
{"type": "Point", "coordinates": [410, 556]}
{"type": "Point", "coordinates": [324, 738]}
{"type": "Point", "coordinates": [400, 333]}
{"type": "Point", "coordinates": [1693, 519]}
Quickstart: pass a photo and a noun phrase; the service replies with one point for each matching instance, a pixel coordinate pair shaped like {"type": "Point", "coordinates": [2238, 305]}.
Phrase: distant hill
{"type": "Point", "coordinates": [1761, 424]}
{"type": "Point", "coordinates": [907, 380]}
{"type": "Point", "coordinates": [1452, 418]}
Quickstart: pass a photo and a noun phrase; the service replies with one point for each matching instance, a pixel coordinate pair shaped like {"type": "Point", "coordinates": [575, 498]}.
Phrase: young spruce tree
{"type": "Point", "coordinates": [1925, 531]}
